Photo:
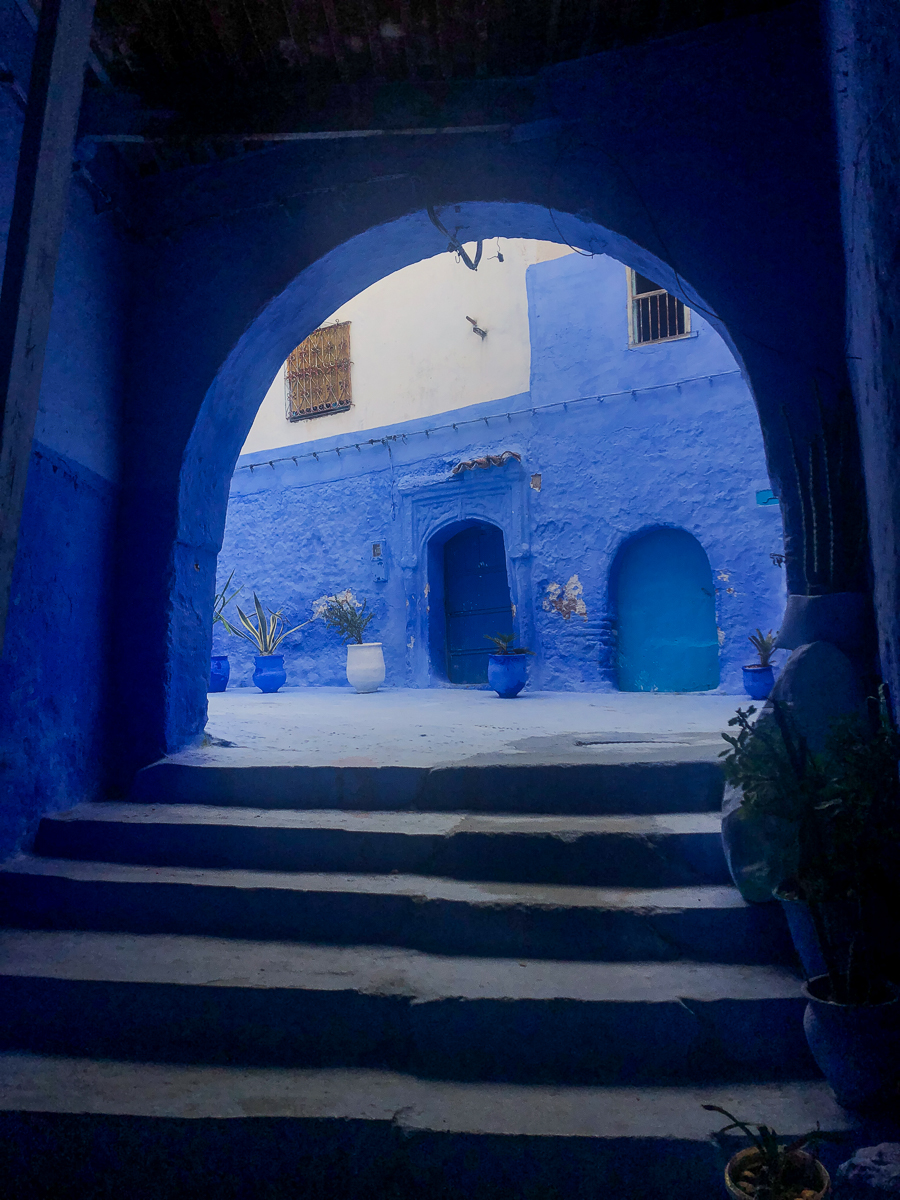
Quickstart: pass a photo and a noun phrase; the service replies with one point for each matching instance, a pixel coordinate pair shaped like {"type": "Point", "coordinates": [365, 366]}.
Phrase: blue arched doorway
{"type": "Point", "coordinates": [476, 600]}
{"type": "Point", "coordinates": [666, 607]}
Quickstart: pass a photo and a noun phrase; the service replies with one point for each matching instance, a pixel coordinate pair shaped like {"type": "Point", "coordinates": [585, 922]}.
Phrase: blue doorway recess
{"type": "Point", "coordinates": [668, 641]}
{"type": "Point", "coordinates": [476, 600]}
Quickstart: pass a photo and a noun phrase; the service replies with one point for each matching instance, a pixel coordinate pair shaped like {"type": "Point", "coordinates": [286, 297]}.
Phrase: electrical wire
{"type": "Point", "coordinates": [531, 410]}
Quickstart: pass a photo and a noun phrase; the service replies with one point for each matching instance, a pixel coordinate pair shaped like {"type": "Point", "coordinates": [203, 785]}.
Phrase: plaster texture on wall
{"type": "Point", "coordinates": [413, 351]}
{"type": "Point", "coordinates": [54, 668]}
{"type": "Point", "coordinates": [684, 449]}
{"type": "Point", "coordinates": [80, 412]}
{"type": "Point", "coordinates": [580, 347]}
{"type": "Point", "coordinates": [866, 64]}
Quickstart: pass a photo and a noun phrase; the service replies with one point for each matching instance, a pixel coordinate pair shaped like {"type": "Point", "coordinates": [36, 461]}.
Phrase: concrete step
{"type": "Point", "coordinates": [85, 1128]}
{"type": "Point", "coordinates": [194, 999]}
{"type": "Point", "coordinates": [631, 851]}
{"type": "Point", "coordinates": [418, 912]}
{"type": "Point", "coordinates": [644, 778]}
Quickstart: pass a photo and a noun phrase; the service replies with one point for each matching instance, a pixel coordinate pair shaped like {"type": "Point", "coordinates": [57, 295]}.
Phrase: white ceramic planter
{"type": "Point", "coordinates": [365, 666]}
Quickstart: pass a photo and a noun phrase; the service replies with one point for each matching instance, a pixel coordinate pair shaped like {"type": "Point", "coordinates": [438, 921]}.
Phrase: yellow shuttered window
{"type": "Point", "coordinates": [317, 374]}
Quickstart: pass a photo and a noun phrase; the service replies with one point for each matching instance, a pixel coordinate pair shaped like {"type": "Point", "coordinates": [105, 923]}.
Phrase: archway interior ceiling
{"type": "Point", "coordinates": [182, 71]}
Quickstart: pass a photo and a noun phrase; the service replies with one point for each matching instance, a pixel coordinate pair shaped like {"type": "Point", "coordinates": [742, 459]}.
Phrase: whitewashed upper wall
{"type": "Point", "coordinates": [413, 351]}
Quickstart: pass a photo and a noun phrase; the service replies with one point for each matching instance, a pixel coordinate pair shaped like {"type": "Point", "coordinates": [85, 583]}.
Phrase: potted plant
{"type": "Point", "coordinates": [759, 678]}
{"type": "Point", "coordinates": [506, 665]}
{"type": "Point", "coordinates": [770, 1170]}
{"type": "Point", "coordinates": [365, 660]}
{"type": "Point", "coordinates": [266, 635]}
{"type": "Point", "coordinates": [836, 878]}
{"type": "Point", "coordinates": [219, 668]}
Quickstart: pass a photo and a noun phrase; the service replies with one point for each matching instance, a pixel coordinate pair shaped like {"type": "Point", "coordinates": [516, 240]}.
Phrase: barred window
{"type": "Point", "coordinates": [317, 374]}
{"type": "Point", "coordinates": [654, 315]}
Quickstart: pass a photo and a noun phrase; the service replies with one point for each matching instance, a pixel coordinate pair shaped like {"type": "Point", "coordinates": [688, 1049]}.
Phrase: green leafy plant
{"type": "Point", "coordinates": [764, 645]}
{"type": "Point", "coordinates": [267, 633]}
{"type": "Point", "coordinates": [844, 805]}
{"type": "Point", "coordinates": [222, 600]}
{"type": "Point", "coordinates": [772, 764]}
{"type": "Point", "coordinates": [348, 616]}
{"type": "Point", "coordinates": [777, 1171]}
{"type": "Point", "coordinates": [504, 644]}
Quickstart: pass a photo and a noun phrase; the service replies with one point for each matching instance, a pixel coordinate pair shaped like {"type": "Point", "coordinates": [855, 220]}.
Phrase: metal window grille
{"type": "Point", "coordinates": [317, 374]}
{"type": "Point", "coordinates": [655, 315]}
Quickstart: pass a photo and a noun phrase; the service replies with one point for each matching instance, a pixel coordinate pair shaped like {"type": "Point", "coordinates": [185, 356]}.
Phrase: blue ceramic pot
{"type": "Point", "coordinates": [855, 1045]}
{"type": "Point", "coordinates": [803, 934]}
{"type": "Point", "coordinates": [219, 670]}
{"type": "Point", "coordinates": [269, 675]}
{"type": "Point", "coordinates": [758, 681]}
{"type": "Point", "coordinates": [506, 674]}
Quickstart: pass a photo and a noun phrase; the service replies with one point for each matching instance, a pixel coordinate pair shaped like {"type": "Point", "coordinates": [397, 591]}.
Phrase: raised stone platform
{"type": "Point", "coordinates": [430, 727]}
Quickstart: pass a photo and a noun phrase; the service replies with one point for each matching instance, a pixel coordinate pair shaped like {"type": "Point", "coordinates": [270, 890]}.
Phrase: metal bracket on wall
{"type": "Point", "coordinates": [454, 243]}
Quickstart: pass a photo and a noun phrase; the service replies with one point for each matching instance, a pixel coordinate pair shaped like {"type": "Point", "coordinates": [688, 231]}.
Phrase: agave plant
{"type": "Point", "coordinates": [267, 634]}
{"type": "Point", "coordinates": [222, 600]}
{"type": "Point", "coordinates": [764, 645]}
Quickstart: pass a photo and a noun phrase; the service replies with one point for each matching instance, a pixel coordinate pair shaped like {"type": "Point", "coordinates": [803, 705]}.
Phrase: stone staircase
{"type": "Point", "coordinates": [513, 980]}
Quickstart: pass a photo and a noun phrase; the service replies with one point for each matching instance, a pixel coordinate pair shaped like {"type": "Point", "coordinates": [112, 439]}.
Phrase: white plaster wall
{"type": "Point", "coordinates": [414, 353]}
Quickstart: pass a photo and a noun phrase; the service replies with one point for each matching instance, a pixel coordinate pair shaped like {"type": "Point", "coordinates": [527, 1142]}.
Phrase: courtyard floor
{"type": "Point", "coordinates": [429, 727]}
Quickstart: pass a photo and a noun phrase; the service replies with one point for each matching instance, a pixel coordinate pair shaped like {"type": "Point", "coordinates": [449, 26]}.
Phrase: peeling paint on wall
{"type": "Point", "coordinates": [567, 600]}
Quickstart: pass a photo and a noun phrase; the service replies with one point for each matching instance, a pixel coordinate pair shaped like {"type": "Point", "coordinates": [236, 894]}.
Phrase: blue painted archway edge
{"type": "Point", "coordinates": [242, 259]}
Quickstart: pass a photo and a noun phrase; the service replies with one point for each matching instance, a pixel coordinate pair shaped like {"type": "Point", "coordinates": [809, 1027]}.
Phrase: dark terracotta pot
{"type": "Point", "coordinates": [744, 1159]}
{"type": "Point", "coordinates": [857, 1046]}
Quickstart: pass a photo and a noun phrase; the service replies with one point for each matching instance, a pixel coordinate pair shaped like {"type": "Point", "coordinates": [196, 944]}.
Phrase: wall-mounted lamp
{"type": "Point", "coordinates": [476, 328]}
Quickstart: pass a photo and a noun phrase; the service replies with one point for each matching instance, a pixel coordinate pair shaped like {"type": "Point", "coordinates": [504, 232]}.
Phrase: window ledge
{"type": "Point", "coordinates": [681, 337]}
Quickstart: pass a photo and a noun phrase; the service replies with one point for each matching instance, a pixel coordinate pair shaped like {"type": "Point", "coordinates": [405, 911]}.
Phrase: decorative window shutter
{"type": "Point", "coordinates": [317, 374]}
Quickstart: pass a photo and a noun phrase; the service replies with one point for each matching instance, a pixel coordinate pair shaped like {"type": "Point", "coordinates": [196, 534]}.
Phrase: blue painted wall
{"type": "Point", "coordinates": [54, 669]}
{"type": "Point", "coordinates": [674, 440]}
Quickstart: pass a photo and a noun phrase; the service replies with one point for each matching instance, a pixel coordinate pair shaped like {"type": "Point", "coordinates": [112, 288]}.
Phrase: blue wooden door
{"type": "Point", "coordinates": [476, 600]}
{"type": "Point", "coordinates": [668, 640]}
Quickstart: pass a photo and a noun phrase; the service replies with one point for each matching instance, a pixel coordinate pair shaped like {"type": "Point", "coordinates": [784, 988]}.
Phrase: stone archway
{"type": "Point", "coordinates": [243, 263]}
{"type": "Point", "coordinates": [799, 463]}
